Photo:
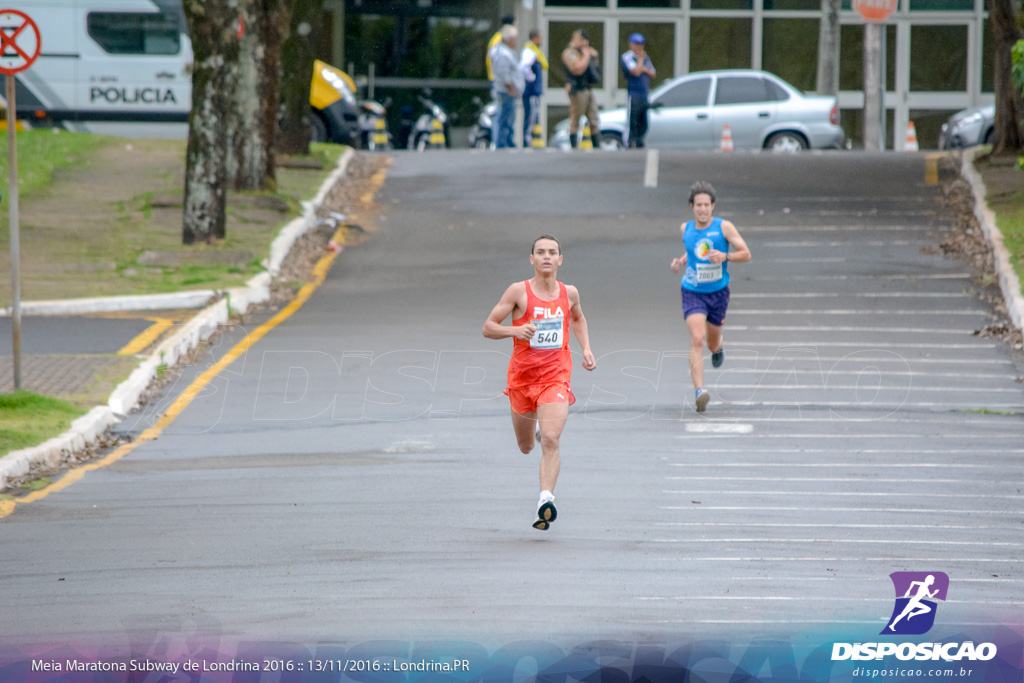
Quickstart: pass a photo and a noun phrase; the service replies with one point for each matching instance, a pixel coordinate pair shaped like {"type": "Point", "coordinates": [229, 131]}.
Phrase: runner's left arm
{"type": "Point", "coordinates": [739, 252]}
{"type": "Point", "coordinates": [578, 323]}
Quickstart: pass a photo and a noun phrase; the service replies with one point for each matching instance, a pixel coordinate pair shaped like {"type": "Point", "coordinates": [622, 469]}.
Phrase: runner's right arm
{"type": "Point", "coordinates": [514, 298]}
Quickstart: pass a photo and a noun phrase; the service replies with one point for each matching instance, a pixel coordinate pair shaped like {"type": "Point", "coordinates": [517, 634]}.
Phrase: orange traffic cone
{"type": "Point", "coordinates": [726, 144]}
{"type": "Point", "coordinates": [911, 144]}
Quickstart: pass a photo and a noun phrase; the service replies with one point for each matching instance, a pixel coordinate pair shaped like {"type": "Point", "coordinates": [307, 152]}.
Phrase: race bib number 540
{"type": "Point", "coordinates": [548, 335]}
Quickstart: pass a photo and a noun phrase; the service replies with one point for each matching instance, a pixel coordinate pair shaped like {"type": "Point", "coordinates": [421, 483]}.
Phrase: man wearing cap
{"type": "Point", "coordinates": [639, 71]}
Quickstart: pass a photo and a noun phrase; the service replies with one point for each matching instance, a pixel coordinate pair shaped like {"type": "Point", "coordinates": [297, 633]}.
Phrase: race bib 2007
{"type": "Point", "coordinates": [548, 335]}
{"type": "Point", "coordinates": [709, 272]}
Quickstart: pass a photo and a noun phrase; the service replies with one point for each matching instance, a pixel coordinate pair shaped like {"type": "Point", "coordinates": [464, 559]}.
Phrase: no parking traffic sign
{"type": "Point", "coordinates": [20, 41]}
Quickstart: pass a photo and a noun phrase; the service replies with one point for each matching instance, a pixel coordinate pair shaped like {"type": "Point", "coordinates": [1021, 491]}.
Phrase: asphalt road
{"type": "Point", "coordinates": [354, 476]}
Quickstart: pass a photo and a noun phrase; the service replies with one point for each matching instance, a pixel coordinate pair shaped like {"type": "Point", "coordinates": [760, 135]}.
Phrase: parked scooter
{"type": "Point", "coordinates": [373, 127]}
{"type": "Point", "coordinates": [481, 132]}
{"type": "Point", "coordinates": [431, 128]}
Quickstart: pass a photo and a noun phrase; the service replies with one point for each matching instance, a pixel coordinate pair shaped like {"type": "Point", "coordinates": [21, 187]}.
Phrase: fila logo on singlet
{"type": "Point", "coordinates": [539, 312]}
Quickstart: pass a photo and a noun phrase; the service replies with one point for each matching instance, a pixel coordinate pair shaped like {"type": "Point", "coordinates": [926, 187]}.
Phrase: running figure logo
{"type": "Point", "coordinates": [916, 593]}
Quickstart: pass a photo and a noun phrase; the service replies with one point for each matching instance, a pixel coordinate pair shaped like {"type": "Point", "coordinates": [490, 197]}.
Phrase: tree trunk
{"type": "Point", "coordinates": [1007, 131]}
{"type": "Point", "coordinates": [245, 163]}
{"type": "Point", "coordinates": [275, 26]}
{"type": "Point", "coordinates": [828, 49]}
{"type": "Point", "coordinates": [297, 68]}
{"type": "Point", "coordinates": [212, 26]}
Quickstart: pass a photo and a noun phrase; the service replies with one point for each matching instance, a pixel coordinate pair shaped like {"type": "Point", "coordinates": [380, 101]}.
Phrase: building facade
{"type": "Point", "coordinates": [938, 52]}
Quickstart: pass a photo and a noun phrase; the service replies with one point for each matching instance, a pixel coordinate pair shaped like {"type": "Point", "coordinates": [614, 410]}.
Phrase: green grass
{"type": "Point", "coordinates": [43, 151]}
{"type": "Point", "coordinates": [1009, 210]}
{"type": "Point", "coordinates": [987, 411]}
{"type": "Point", "coordinates": [29, 419]}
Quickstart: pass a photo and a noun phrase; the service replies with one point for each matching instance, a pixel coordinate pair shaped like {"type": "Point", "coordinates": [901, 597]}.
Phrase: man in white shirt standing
{"type": "Point", "coordinates": [508, 86]}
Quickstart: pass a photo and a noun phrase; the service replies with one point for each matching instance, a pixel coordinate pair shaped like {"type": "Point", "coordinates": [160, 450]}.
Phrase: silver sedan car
{"type": "Point", "coordinates": [761, 109]}
{"type": "Point", "coordinates": [969, 127]}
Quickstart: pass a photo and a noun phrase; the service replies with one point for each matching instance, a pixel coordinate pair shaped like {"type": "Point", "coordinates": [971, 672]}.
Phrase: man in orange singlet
{"type": "Point", "coordinates": [543, 310]}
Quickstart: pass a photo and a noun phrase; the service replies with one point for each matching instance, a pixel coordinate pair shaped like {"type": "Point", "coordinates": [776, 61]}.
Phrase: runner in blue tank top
{"type": "Point", "coordinates": [705, 281]}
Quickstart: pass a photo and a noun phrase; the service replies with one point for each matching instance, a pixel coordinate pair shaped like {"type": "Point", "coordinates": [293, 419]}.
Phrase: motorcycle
{"type": "Point", "coordinates": [480, 133]}
{"type": "Point", "coordinates": [431, 128]}
{"type": "Point", "coordinates": [373, 131]}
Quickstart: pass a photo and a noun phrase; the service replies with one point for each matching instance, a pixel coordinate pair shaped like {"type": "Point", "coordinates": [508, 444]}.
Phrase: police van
{"type": "Point", "coordinates": [122, 67]}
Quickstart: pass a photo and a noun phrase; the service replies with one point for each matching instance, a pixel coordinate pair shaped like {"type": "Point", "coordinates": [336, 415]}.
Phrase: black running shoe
{"type": "Point", "coordinates": [717, 358]}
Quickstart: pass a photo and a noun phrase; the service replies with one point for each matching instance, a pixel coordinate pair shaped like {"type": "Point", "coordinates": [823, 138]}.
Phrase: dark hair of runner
{"type": "Point", "coordinates": [546, 237]}
{"type": "Point", "coordinates": [702, 187]}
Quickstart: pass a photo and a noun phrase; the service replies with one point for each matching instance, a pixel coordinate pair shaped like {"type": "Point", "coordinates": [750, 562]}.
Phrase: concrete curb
{"type": "Point", "coordinates": [88, 428]}
{"type": "Point", "coordinates": [1008, 280]}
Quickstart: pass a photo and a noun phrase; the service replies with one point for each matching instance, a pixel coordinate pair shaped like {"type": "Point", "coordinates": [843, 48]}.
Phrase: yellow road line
{"type": "Point", "coordinates": [147, 338]}
{"type": "Point", "coordinates": [931, 169]}
{"type": "Point", "coordinates": [182, 402]}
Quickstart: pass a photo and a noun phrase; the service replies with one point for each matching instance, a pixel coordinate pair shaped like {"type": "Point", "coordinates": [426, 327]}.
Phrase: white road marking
{"type": "Point", "coordinates": [832, 372]}
{"type": "Point", "coordinates": [852, 295]}
{"type": "Point", "coordinates": [846, 229]}
{"type": "Point", "coordinates": [899, 560]}
{"type": "Point", "coordinates": [896, 526]}
{"type": "Point", "coordinates": [812, 345]}
{"type": "Point", "coordinates": [719, 428]}
{"type": "Point", "coordinates": [844, 465]}
{"type": "Point", "coordinates": [833, 494]}
{"type": "Point", "coordinates": [850, 480]}
{"type": "Point", "coordinates": [819, 243]}
{"type": "Point", "coordinates": [841, 278]}
{"type": "Point", "coordinates": [960, 390]}
{"type": "Point", "coordinates": [817, 437]}
{"type": "Point", "coordinates": [852, 328]}
{"type": "Point", "coordinates": [651, 169]}
{"type": "Point", "coordinates": [858, 510]}
{"type": "Point", "coordinates": [805, 259]}
{"type": "Point", "coordinates": [848, 541]}
{"type": "Point", "coordinates": [874, 312]}
{"type": "Point", "coordinates": [800, 598]}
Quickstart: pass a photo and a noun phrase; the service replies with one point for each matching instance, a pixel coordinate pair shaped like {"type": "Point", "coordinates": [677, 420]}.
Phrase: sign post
{"type": "Point", "coordinates": [20, 44]}
{"type": "Point", "coordinates": [874, 13]}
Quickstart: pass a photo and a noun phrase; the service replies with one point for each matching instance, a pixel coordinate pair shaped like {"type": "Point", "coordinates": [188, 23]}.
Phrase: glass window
{"type": "Point", "coordinates": [851, 57]}
{"type": "Point", "coordinates": [576, 3]}
{"type": "Point", "coordinates": [719, 43]}
{"type": "Point", "coordinates": [722, 4]}
{"type": "Point", "coordinates": [418, 46]}
{"type": "Point", "coordinates": [791, 51]}
{"type": "Point", "coordinates": [852, 121]}
{"type": "Point", "coordinates": [987, 64]}
{"type": "Point", "coordinates": [927, 123]}
{"type": "Point", "coordinates": [556, 113]}
{"type": "Point", "coordinates": [776, 93]}
{"type": "Point", "coordinates": [740, 90]}
{"type": "Point", "coordinates": [814, 5]}
{"type": "Point", "coordinates": [942, 5]}
{"type": "Point", "coordinates": [559, 34]}
{"type": "Point", "coordinates": [938, 58]}
{"type": "Point", "coordinates": [659, 43]}
{"type": "Point", "coordinates": [692, 93]}
{"type": "Point", "coordinates": [648, 3]}
{"type": "Point", "coordinates": [135, 33]}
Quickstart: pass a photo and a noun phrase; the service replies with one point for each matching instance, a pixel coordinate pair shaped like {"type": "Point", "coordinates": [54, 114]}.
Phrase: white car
{"type": "Point", "coordinates": [691, 112]}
